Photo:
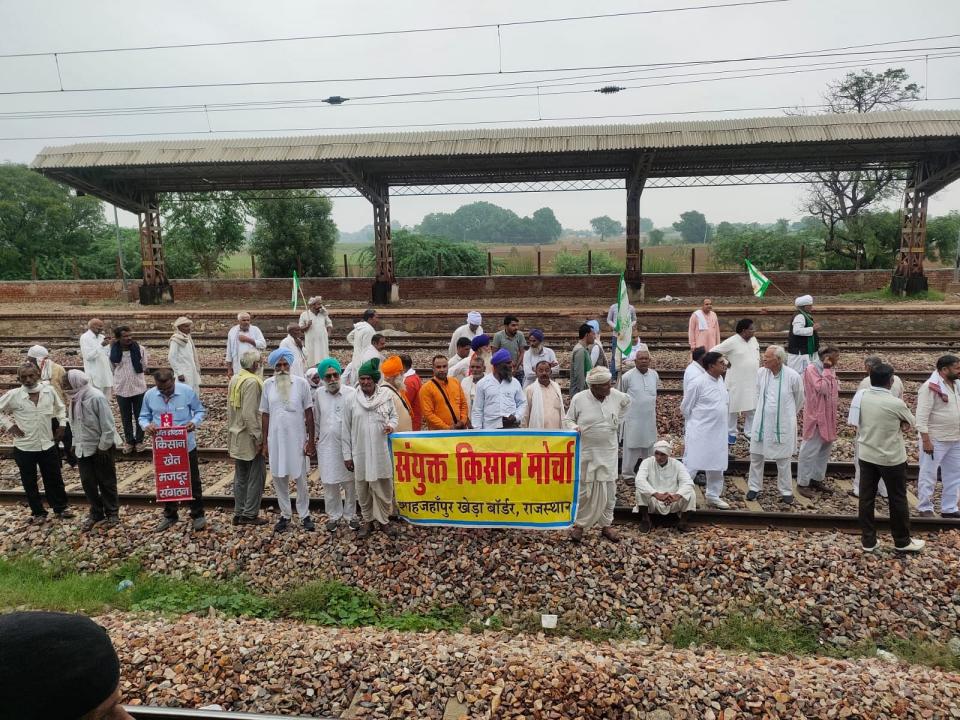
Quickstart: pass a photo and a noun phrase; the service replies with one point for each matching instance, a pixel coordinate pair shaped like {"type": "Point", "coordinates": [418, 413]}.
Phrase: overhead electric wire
{"type": "Point", "coordinates": [406, 31]}
{"type": "Point", "coordinates": [624, 66]}
{"type": "Point", "coordinates": [528, 84]}
{"type": "Point", "coordinates": [467, 123]}
{"type": "Point", "coordinates": [670, 80]}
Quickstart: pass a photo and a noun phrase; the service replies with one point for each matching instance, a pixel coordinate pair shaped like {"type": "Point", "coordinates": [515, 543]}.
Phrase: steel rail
{"type": "Point", "coordinates": [703, 516]}
{"type": "Point", "coordinates": [158, 713]}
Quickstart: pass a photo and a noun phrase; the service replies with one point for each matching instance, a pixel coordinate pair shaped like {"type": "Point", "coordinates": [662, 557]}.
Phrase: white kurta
{"type": "Point", "coordinates": [775, 438]}
{"type": "Point", "coordinates": [457, 367]}
{"type": "Point", "coordinates": [359, 338]}
{"type": "Point", "coordinates": [299, 365]}
{"type": "Point", "coordinates": [465, 332]}
{"type": "Point", "coordinates": [183, 362]}
{"type": "Point", "coordinates": [236, 349]}
{"type": "Point", "coordinates": [316, 338]}
{"type": "Point", "coordinates": [640, 424]}
{"type": "Point", "coordinates": [704, 409]}
{"type": "Point", "coordinates": [741, 379]}
{"type": "Point", "coordinates": [288, 432]}
{"type": "Point", "coordinates": [328, 417]}
{"type": "Point", "coordinates": [361, 437]}
{"type": "Point", "coordinates": [598, 423]}
{"type": "Point", "coordinates": [693, 371]}
{"type": "Point", "coordinates": [96, 360]}
{"type": "Point", "coordinates": [670, 478]}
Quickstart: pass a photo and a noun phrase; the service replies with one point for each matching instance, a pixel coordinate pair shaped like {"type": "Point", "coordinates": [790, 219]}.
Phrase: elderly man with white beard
{"type": "Point", "coordinates": [339, 485]}
{"type": "Point", "coordinates": [368, 419]}
{"type": "Point", "coordinates": [596, 413]}
{"type": "Point", "coordinates": [392, 371]}
{"type": "Point", "coordinates": [779, 399]}
{"type": "Point", "coordinates": [316, 325]}
{"type": "Point", "coordinates": [664, 487]}
{"type": "Point", "coordinates": [286, 408]}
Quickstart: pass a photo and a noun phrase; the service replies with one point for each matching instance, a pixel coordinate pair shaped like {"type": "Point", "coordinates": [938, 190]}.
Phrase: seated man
{"type": "Point", "coordinates": [663, 487]}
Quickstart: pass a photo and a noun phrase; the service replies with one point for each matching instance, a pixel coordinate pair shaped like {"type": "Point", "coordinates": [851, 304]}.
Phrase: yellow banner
{"type": "Point", "coordinates": [487, 478]}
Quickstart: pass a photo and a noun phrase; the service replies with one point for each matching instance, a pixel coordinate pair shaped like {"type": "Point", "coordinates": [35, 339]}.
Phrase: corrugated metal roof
{"type": "Point", "coordinates": [500, 141]}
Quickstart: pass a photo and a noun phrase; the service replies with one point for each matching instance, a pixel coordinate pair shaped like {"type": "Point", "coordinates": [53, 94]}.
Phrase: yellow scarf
{"type": "Point", "coordinates": [235, 387]}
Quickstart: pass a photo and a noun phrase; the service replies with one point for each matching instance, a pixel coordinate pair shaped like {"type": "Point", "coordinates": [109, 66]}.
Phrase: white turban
{"type": "Point", "coordinates": [598, 376]}
{"type": "Point", "coordinates": [315, 299]}
{"type": "Point", "coordinates": [474, 318]}
{"type": "Point", "coordinates": [38, 352]}
{"type": "Point", "coordinates": [803, 300]}
{"type": "Point", "coordinates": [182, 320]}
{"type": "Point", "coordinates": [664, 447]}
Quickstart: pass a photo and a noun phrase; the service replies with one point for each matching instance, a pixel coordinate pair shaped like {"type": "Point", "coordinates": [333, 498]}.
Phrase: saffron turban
{"type": "Point", "coordinates": [392, 366]}
{"type": "Point", "coordinates": [500, 356]}
{"type": "Point", "coordinates": [38, 352]}
{"type": "Point", "coordinates": [663, 446]}
{"type": "Point", "coordinates": [70, 648]}
{"type": "Point", "coordinates": [370, 369]}
{"type": "Point", "coordinates": [598, 376]}
{"type": "Point", "coordinates": [479, 341]}
{"type": "Point", "coordinates": [537, 333]}
{"type": "Point", "coordinates": [803, 301]}
{"type": "Point", "coordinates": [474, 318]}
{"type": "Point", "coordinates": [280, 353]}
{"type": "Point", "coordinates": [326, 364]}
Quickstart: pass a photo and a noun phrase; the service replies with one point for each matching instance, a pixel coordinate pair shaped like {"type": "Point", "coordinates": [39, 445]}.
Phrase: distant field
{"type": "Point", "coordinates": [522, 259]}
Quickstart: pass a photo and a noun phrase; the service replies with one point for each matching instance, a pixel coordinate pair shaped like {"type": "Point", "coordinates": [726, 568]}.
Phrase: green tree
{"type": "Point", "coordinates": [655, 237]}
{"type": "Point", "coordinates": [605, 226]}
{"type": "Point", "coordinates": [840, 196]}
{"type": "Point", "coordinates": [771, 247]}
{"type": "Point", "coordinates": [207, 227]}
{"type": "Point", "coordinates": [486, 222]}
{"type": "Point", "coordinates": [44, 220]}
{"type": "Point", "coordinates": [693, 227]}
{"type": "Point", "coordinates": [646, 225]}
{"type": "Point", "coordinates": [418, 255]}
{"type": "Point", "coordinates": [942, 234]}
{"type": "Point", "coordinates": [293, 224]}
{"type": "Point", "coordinates": [545, 226]}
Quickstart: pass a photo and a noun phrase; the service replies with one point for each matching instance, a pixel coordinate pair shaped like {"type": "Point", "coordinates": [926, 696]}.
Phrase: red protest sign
{"type": "Point", "coordinates": [171, 464]}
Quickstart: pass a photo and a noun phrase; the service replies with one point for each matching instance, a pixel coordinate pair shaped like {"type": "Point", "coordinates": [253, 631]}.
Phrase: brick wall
{"type": "Point", "coordinates": [499, 288]}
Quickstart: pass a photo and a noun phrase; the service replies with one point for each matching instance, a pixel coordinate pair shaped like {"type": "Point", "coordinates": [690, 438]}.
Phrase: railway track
{"type": "Point", "coordinates": [736, 518]}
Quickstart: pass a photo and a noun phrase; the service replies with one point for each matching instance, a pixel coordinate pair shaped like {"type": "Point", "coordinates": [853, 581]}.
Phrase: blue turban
{"type": "Point", "coordinates": [595, 325]}
{"type": "Point", "coordinates": [330, 362]}
{"type": "Point", "coordinates": [500, 356]}
{"type": "Point", "coordinates": [479, 341]}
{"type": "Point", "coordinates": [537, 333]}
{"type": "Point", "coordinates": [278, 354]}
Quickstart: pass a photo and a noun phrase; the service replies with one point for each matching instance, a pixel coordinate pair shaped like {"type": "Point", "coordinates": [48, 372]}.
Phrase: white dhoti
{"type": "Point", "coordinates": [798, 362]}
{"type": "Point", "coordinates": [946, 456]}
{"type": "Point", "coordinates": [812, 460]}
{"type": "Point", "coordinates": [376, 500]}
{"type": "Point", "coordinates": [595, 504]}
{"type": "Point", "coordinates": [340, 500]}
{"type": "Point", "coordinates": [659, 507]}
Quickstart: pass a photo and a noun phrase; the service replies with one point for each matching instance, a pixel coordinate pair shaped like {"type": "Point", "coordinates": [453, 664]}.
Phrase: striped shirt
{"type": "Point", "coordinates": [126, 382]}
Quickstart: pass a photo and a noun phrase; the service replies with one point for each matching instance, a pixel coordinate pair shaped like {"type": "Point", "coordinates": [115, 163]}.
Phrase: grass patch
{"type": "Point", "coordinates": [742, 632]}
{"type": "Point", "coordinates": [28, 583]}
{"type": "Point", "coordinates": [886, 295]}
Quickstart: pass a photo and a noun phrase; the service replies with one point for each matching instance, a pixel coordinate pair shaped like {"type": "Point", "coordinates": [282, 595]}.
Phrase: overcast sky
{"type": "Point", "coordinates": [45, 26]}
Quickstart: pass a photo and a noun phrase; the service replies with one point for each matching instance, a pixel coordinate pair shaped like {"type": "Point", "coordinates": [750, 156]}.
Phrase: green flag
{"type": "Point", "coordinates": [758, 280]}
{"type": "Point", "coordinates": [295, 293]}
{"type": "Point", "coordinates": [623, 328]}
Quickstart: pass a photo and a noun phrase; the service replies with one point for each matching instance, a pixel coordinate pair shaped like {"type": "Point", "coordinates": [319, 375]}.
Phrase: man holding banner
{"type": "Point", "coordinates": [596, 413]}
{"type": "Point", "coordinates": [368, 419]}
{"type": "Point", "coordinates": [173, 404]}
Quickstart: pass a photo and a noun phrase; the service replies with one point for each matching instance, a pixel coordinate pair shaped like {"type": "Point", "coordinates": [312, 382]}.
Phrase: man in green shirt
{"type": "Point", "coordinates": [883, 418]}
{"type": "Point", "coordinates": [512, 340]}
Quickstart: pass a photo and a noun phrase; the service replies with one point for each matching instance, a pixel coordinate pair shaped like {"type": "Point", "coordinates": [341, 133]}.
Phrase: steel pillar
{"type": "Point", "coordinates": [385, 285]}
{"type": "Point", "coordinates": [156, 287]}
{"type": "Point", "coordinates": [908, 277]}
{"type": "Point", "coordinates": [633, 273]}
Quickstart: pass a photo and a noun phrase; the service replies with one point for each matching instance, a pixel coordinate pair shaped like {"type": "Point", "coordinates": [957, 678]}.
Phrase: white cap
{"type": "Point", "coordinates": [803, 301]}
{"type": "Point", "coordinates": [38, 352]}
